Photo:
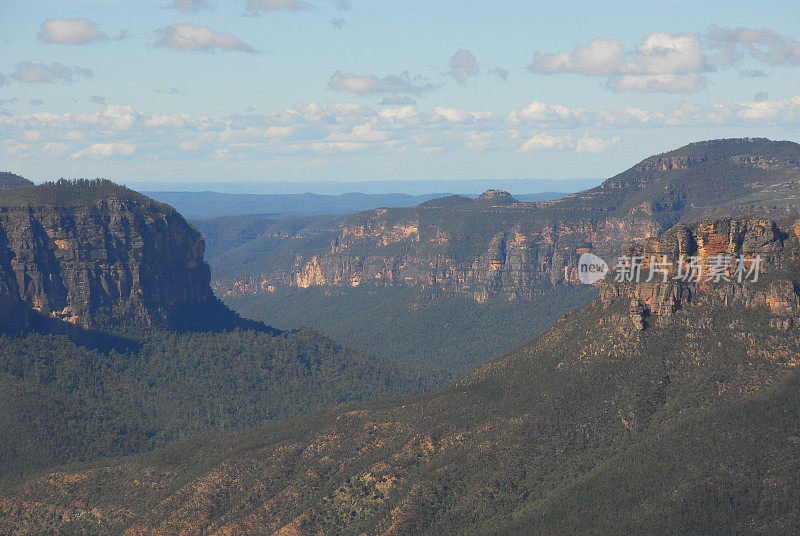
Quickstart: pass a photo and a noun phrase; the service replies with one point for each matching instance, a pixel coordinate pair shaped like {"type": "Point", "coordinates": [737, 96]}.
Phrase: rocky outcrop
{"type": "Point", "coordinates": [93, 253]}
{"type": "Point", "coordinates": [684, 275]}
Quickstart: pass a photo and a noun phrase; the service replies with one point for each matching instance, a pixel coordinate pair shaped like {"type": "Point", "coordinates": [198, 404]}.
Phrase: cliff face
{"type": "Point", "coordinates": [110, 256]}
{"type": "Point", "coordinates": [497, 246]}
{"type": "Point", "coordinates": [517, 261]}
{"type": "Point", "coordinates": [768, 283]}
{"type": "Point", "coordinates": [580, 430]}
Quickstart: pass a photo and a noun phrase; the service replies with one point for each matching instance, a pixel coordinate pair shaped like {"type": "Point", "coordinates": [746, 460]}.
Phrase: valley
{"type": "Point", "coordinates": [138, 402]}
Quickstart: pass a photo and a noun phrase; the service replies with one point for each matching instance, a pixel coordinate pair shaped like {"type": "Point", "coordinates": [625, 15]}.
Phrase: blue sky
{"type": "Point", "coordinates": [376, 90]}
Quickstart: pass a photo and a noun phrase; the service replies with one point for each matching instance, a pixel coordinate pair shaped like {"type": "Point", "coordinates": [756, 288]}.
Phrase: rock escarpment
{"type": "Point", "coordinates": [495, 246]}
{"type": "Point", "coordinates": [91, 252]}
{"type": "Point", "coordinates": [770, 254]}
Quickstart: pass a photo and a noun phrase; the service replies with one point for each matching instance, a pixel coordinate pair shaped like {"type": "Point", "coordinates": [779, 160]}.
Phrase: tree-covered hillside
{"type": "Point", "coordinates": [91, 395]}
{"type": "Point", "coordinates": [686, 424]}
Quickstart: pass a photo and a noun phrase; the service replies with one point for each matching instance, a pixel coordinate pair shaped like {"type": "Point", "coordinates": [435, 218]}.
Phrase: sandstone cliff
{"type": "Point", "coordinates": [769, 284]}
{"type": "Point", "coordinates": [497, 246]}
{"type": "Point", "coordinates": [92, 253]}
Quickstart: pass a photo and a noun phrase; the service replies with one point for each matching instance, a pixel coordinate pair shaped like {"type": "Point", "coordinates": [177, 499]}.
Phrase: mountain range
{"type": "Point", "coordinates": [686, 423]}
{"type": "Point", "coordinates": [435, 283]}
{"type": "Point", "coordinates": [137, 403]}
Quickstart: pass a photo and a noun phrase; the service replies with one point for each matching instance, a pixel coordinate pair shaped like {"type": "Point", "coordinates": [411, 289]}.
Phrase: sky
{"type": "Point", "coordinates": [359, 90]}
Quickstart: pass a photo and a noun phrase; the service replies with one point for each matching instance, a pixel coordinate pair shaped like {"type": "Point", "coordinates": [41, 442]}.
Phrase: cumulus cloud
{"type": "Point", "coordinates": [190, 6]}
{"type": "Point", "coordinates": [658, 83]}
{"type": "Point", "coordinates": [663, 62]}
{"type": "Point", "coordinates": [279, 5]}
{"type": "Point", "coordinates": [663, 53]}
{"type": "Point", "coordinates": [761, 96]}
{"type": "Point", "coordinates": [463, 65]}
{"type": "Point", "coordinates": [306, 131]}
{"type": "Point", "coordinates": [70, 32]}
{"type": "Point", "coordinates": [601, 57]}
{"type": "Point", "coordinates": [105, 150]}
{"type": "Point", "coordinates": [542, 112]}
{"type": "Point", "coordinates": [671, 63]}
{"type": "Point", "coordinates": [3, 80]}
{"type": "Point", "coordinates": [455, 115]}
{"type": "Point", "coordinates": [202, 38]}
{"type": "Point", "coordinates": [41, 73]}
{"type": "Point", "coordinates": [588, 144]}
{"type": "Point", "coordinates": [546, 142]}
{"type": "Point", "coordinates": [585, 145]}
{"type": "Point", "coordinates": [366, 85]}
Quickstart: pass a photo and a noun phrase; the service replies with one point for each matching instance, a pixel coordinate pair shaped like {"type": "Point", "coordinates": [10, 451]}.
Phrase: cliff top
{"type": "Point", "coordinates": [10, 180]}
{"type": "Point", "coordinates": [496, 196]}
{"type": "Point", "coordinates": [730, 147]}
{"type": "Point", "coordinates": [69, 193]}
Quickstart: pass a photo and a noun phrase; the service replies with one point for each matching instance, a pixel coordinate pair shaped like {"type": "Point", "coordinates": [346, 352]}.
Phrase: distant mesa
{"type": "Point", "coordinates": [9, 181]}
{"type": "Point", "coordinates": [497, 196]}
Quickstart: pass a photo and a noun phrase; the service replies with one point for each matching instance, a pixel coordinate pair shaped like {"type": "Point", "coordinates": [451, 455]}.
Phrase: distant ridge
{"type": "Point", "coordinates": [10, 180]}
{"type": "Point", "coordinates": [494, 246]}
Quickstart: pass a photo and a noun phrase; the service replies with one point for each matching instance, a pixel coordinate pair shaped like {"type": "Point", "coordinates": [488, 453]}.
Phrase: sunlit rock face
{"type": "Point", "coordinates": [117, 257]}
{"type": "Point", "coordinates": [496, 246]}
{"type": "Point", "coordinates": [768, 283]}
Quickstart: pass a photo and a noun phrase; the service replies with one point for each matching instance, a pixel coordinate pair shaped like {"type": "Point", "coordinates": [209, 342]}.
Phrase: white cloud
{"type": "Point", "coordinates": [785, 111]}
{"type": "Point", "coordinates": [663, 53]}
{"type": "Point", "coordinates": [105, 150]}
{"type": "Point", "coordinates": [373, 85]}
{"type": "Point", "coordinates": [590, 145]}
{"type": "Point", "coordinates": [661, 63]}
{"type": "Point", "coordinates": [190, 6]}
{"type": "Point", "coordinates": [658, 83]}
{"type": "Point", "coordinates": [463, 65]}
{"type": "Point", "coordinates": [542, 112]}
{"type": "Point", "coordinates": [455, 115]}
{"type": "Point", "coordinates": [191, 37]}
{"type": "Point", "coordinates": [41, 73]}
{"type": "Point", "coordinates": [547, 142]}
{"type": "Point", "coordinates": [671, 63]}
{"type": "Point", "coordinates": [279, 5]}
{"type": "Point", "coordinates": [70, 32]}
{"type": "Point", "coordinates": [305, 131]}
{"type": "Point", "coordinates": [601, 57]}
{"type": "Point", "coordinates": [659, 53]}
